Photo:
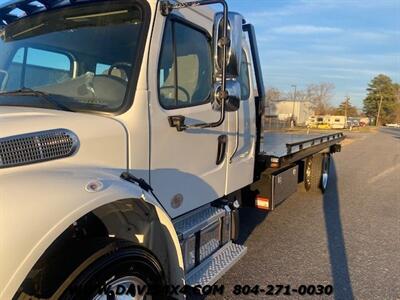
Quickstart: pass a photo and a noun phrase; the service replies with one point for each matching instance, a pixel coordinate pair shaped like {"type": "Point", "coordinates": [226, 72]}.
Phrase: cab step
{"type": "Point", "coordinates": [197, 220]}
{"type": "Point", "coordinates": [215, 266]}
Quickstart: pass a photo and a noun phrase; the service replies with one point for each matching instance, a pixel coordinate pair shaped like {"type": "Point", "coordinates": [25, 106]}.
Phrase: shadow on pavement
{"type": "Point", "coordinates": [336, 244]}
{"type": "Point", "coordinates": [250, 218]}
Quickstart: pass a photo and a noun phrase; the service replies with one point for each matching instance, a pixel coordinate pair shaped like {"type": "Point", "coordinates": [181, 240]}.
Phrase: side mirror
{"type": "Point", "coordinates": [228, 31]}
{"type": "Point", "coordinates": [3, 79]}
{"type": "Point", "coordinates": [232, 103]}
{"type": "Point", "coordinates": [234, 55]}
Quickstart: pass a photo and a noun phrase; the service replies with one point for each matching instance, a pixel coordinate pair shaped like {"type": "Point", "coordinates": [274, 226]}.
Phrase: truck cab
{"type": "Point", "coordinates": [133, 127]}
{"type": "Point", "coordinates": [97, 62]}
{"type": "Point", "coordinates": [93, 90]}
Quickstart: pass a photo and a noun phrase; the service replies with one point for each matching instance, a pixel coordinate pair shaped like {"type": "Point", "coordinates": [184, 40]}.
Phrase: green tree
{"type": "Point", "coordinates": [344, 107]}
{"type": "Point", "coordinates": [396, 112]}
{"type": "Point", "coordinates": [381, 89]}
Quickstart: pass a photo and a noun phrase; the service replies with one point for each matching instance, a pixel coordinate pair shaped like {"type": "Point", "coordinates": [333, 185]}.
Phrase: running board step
{"type": "Point", "coordinates": [197, 220]}
{"type": "Point", "coordinates": [212, 269]}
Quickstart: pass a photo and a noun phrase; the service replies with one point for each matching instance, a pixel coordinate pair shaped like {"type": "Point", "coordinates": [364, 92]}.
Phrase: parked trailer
{"type": "Point", "coordinates": [338, 122]}
{"type": "Point", "coordinates": [129, 130]}
{"type": "Point", "coordinates": [321, 122]}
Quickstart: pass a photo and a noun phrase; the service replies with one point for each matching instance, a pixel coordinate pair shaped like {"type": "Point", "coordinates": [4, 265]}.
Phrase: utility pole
{"type": "Point", "coordinates": [346, 106]}
{"type": "Point", "coordinates": [379, 109]}
{"type": "Point", "coordinates": [294, 103]}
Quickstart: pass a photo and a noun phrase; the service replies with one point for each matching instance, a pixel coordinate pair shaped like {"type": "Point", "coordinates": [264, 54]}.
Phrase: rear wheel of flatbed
{"type": "Point", "coordinates": [316, 173]}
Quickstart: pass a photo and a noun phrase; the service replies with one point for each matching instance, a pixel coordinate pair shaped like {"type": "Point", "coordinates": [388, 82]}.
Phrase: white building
{"type": "Point", "coordinates": [285, 109]}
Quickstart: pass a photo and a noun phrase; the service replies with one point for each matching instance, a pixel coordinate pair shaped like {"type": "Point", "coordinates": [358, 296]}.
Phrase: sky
{"type": "Point", "coordinates": [344, 42]}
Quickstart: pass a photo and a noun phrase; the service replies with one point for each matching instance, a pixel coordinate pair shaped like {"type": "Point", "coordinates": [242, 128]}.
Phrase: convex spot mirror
{"type": "Point", "coordinates": [234, 51]}
{"type": "Point", "coordinates": [232, 103]}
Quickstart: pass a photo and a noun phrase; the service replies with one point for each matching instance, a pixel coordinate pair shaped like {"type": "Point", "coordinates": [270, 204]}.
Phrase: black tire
{"type": "Point", "coordinates": [123, 264]}
{"type": "Point", "coordinates": [326, 166]}
{"type": "Point", "coordinates": [80, 269]}
{"type": "Point", "coordinates": [316, 173]}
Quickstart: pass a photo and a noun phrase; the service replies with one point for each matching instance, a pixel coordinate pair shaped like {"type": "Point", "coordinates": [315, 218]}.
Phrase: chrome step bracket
{"type": "Point", "coordinates": [210, 270]}
{"type": "Point", "coordinates": [197, 220]}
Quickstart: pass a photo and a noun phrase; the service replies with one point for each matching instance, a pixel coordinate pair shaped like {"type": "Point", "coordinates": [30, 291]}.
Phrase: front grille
{"type": "Point", "coordinates": [37, 147]}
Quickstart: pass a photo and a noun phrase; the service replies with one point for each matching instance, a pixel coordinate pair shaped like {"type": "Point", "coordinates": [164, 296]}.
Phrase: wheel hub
{"type": "Point", "coordinates": [125, 288]}
{"type": "Point", "coordinates": [307, 179]}
{"type": "Point", "coordinates": [325, 172]}
{"type": "Point", "coordinates": [324, 180]}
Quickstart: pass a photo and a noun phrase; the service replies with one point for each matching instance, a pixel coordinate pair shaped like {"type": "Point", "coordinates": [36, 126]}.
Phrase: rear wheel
{"type": "Point", "coordinates": [326, 162]}
{"type": "Point", "coordinates": [307, 173]}
{"type": "Point", "coordinates": [316, 172]}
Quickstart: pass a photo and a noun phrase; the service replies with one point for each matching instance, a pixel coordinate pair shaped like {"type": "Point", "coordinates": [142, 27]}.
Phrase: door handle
{"type": "Point", "coordinates": [222, 142]}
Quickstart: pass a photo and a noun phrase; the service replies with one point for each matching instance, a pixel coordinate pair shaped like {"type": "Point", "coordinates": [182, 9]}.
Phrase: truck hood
{"type": "Point", "coordinates": [102, 140]}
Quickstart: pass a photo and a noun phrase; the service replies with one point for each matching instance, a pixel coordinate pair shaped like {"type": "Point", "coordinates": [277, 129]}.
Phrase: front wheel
{"type": "Point", "coordinates": [123, 273]}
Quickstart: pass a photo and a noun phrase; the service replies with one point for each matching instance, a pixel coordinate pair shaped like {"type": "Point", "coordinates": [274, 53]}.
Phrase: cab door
{"type": "Point", "coordinates": [241, 158]}
{"type": "Point", "coordinates": [184, 171]}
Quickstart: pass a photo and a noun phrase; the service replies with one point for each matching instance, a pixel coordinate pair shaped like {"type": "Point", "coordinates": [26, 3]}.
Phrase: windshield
{"type": "Point", "coordinates": [82, 57]}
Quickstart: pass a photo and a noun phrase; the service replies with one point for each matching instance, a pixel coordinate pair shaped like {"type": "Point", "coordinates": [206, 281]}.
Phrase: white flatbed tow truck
{"type": "Point", "coordinates": [129, 130]}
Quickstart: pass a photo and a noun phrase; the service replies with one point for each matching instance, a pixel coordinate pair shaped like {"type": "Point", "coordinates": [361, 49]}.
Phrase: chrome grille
{"type": "Point", "coordinates": [37, 147]}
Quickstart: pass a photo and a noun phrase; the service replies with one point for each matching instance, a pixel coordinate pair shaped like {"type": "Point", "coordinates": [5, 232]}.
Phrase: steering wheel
{"type": "Point", "coordinates": [120, 65]}
{"type": "Point", "coordinates": [187, 95]}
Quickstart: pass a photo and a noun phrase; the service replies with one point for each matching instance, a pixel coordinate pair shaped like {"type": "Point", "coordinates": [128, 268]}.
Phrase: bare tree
{"type": "Point", "coordinates": [272, 95]}
{"type": "Point", "coordinates": [320, 96]}
{"type": "Point", "coordinates": [300, 96]}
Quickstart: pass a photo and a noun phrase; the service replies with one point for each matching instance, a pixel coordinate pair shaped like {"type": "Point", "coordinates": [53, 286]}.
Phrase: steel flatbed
{"type": "Point", "coordinates": [281, 149]}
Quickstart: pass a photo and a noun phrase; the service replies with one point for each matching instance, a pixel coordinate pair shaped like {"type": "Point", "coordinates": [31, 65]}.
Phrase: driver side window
{"type": "Point", "coordinates": [185, 69]}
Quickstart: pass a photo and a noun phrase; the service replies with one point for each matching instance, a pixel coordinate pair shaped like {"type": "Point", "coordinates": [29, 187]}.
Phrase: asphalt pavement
{"type": "Point", "coordinates": [348, 238]}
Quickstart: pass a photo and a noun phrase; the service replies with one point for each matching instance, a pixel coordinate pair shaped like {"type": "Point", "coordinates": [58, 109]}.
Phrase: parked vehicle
{"type": "Point", "coordinates": [338, 122]}
{"type": "Point", "coordinates": [365, 122]}
{"type": "Point", "coordinates": [125, 145]}
{"type": "Point", "coordinates": [353, 122]}
{"type": "Point", "coordinates": [310, 121]}
{"type": "Point", "coordinates": [320, 122]}
{"type": "Point", "coordinates": [393, 125]}
{"type": "Point", "coordinates": [314, 121]}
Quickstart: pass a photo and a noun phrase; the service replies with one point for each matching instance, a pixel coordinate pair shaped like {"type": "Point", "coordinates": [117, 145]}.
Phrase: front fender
{"type": "Point", "coordinates": [38, 205]}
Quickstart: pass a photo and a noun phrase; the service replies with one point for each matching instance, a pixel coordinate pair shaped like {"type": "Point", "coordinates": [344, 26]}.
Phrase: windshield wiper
{"type": "Point", "coordinates": [42, 95]}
